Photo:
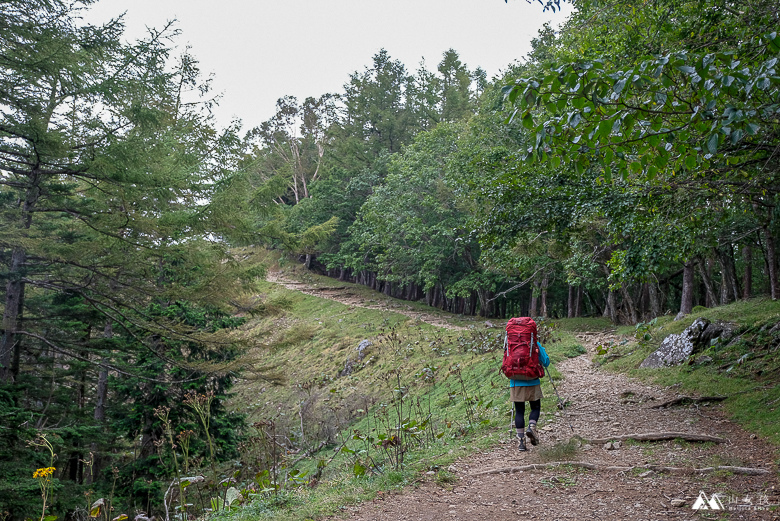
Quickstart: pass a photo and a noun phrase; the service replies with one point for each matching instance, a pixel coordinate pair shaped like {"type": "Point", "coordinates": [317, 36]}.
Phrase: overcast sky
{"type": "Point", "coordinates": [261, 50]}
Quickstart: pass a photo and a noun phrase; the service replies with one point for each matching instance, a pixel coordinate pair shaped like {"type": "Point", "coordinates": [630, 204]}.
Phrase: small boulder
{"type": "Point", "coordinates": [349, 366]}
{"type": "Point", "coordinates": [361, 349]}
{"type": "Point", "coordinates": [676, 348]}
{"type": "Point", "coordinates": [678, 503]}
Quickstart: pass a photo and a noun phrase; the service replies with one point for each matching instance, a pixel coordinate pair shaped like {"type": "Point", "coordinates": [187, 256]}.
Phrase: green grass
{"type": "Point", "coordinates": [446, 380]}
{"type": "Point", "coordinates": [746, 369]}
{"type": "Point", "coordinates": [562, 451]}
{"type": "Point", "coordinates": [583, 324]}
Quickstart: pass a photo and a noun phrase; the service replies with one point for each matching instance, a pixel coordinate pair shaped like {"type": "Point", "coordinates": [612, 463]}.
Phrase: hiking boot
{"type": "Point", "coordinates": [521, 447]}
{"type": "Point", "coordinates": [532, 435]}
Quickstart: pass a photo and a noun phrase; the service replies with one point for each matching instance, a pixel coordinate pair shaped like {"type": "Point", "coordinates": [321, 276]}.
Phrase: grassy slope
{"type": "Point", "coordinates": [746, 370]}
{"type": "Point", "coordinates": [447, 381]}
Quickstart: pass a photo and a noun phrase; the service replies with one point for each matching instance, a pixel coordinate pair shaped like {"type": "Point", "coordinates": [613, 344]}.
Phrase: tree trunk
{"type": "Point", "coordinates": [771, 260]}
{"type": "Point", "coordinates": [686, 299]}
{"type": "Point", "coordinates": [570, 303]}
{"type": "Point", "coordinates": [593, 303]}
{"type": "Point", "coordinates": [543, 310]}
{"type": "Point", "coordinates": [747, 276]}
{"type": "Point", "coordinates": [14, 301]}
{"type": "Point", "coordinates": [578, 302]}
{"type": "Point", "coordinates": [655, 304]}
{"type": "Point", "coordinates": [630, 307]}
{"type": "Point", "coordinates": [610, 310]}
{"type": "Point", "coordinates": [728, 287]}
{"type": "Point", "coordinates": [705, 277]}
{"type": "Point", "coordinates": [14, 295]}
{"type": "Point", "coordinates": [533, 304]}
{"type": "Point", "coordinates": [731, 266]}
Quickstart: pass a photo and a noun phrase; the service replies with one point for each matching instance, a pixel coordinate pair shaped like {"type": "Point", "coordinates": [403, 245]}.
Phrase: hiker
{"type": "Point", "coordinates": [524, 362]}
{"type": "Point", "coordinates": [521, 391]}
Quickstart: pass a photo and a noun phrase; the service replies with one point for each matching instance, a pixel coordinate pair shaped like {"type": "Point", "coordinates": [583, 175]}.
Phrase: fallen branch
{"type": "Point", "coordinates": [659, 436]}
{"type": "Point", "coordinates": [686, 400]}
{"type": "Point", "coordinates": [746, 471]}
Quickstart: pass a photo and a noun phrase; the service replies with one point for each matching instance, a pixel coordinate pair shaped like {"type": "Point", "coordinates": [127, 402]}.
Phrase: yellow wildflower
{"type": "Point", "coordinates": [44, 473]}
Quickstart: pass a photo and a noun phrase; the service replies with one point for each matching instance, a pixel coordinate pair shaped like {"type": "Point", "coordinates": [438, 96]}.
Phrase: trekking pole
{"type": "Point", "coordinates": [561, 403]}
{"type": "Point", "coordinates": [512, 421]}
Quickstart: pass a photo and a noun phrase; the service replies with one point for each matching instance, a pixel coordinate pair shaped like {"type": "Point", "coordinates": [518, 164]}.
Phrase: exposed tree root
{"type": "Point", "coordinates": [686, 400]}
{"type": "Point", "coordinates": [745, 471]}
{"type": "Point", "coordinates": [659, 436]}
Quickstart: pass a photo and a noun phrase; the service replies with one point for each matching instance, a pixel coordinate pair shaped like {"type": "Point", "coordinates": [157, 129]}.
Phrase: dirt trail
{"type": "Point", "coordinates": [499, 485]}
{"type": "Point", "coordinates": [341, 293]}
{"type": "Point", "coordinates": [489, 485]}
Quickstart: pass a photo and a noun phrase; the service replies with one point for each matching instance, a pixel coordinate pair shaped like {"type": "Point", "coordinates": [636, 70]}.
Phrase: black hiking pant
{"type": "Point", "coordinates": [536, 410]}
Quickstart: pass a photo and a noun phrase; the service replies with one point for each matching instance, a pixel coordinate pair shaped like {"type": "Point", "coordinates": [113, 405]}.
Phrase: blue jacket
{"type": "Point", "coordinates": [544, 359]}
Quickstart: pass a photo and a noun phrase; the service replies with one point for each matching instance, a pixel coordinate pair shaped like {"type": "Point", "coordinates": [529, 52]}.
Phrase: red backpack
{"type": "Point", "coordinates": [521, 354]}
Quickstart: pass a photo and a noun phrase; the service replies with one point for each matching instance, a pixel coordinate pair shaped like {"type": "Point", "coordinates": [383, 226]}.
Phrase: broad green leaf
{"type": "Point", "coordinates": [652, 171]}
{"type": "Point", "coordinates": [661, 160]}
{"type": "Point", "coordinates": [513, 93]}
{"type": "Point", "coordinates": [618, 88]}
{"type": "Point", "coordinates": [712, 143]}
{"type": "Point", "coordinates": [528, 121]}
{"type": "Point", "coordinates": [691, 162]}
{"type": "Point", "coordinates": [605, 127]}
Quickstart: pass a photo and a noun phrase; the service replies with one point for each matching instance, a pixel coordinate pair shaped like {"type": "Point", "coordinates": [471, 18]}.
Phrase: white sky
{"type": "Point", "coordinates": [261, 50]}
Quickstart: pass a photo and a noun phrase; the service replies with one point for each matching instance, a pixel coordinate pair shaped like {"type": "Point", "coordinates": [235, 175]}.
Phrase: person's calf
{"type": "Point", "coordinates": [533, 436]}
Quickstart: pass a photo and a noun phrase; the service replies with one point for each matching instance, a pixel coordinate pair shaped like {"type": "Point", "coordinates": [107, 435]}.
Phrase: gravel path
{"type": "Point", "coordinates": [602, 404]}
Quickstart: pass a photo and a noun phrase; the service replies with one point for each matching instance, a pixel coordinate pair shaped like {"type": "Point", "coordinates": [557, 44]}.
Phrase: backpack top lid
{"type": "Point", "coordinates": [521, 321]}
